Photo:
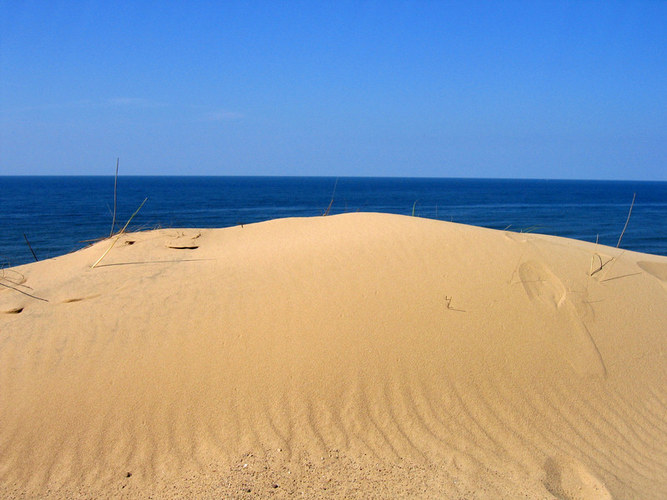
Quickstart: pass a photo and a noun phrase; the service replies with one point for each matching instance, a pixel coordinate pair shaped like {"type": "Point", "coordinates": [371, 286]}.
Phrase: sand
{"type": "Point", "coordinates": [357, 355]}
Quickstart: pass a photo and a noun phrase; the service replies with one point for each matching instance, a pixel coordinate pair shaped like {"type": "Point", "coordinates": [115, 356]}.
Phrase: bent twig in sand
{"type": "Point", "coordinates": [601, 265]}
{"type": "Point", "coordinates": [24, 293]}
{"type": "Point", "coordinates": [119, 234]}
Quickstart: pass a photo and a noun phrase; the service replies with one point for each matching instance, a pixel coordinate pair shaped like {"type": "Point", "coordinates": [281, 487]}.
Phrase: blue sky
{"type": "Point", "coordinates": [527, 89]}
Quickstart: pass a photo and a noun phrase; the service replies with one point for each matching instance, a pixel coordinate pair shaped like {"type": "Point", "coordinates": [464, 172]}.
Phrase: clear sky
{"type": "Point", "coordinates": [526, 89]}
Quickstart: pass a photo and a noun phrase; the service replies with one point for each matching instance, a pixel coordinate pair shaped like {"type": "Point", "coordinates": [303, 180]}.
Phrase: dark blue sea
{"type": "Point", "coordinates": [62, 214]}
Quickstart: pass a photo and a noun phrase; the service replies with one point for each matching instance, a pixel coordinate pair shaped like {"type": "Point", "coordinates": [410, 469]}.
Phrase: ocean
{"type": "Point", "coordinates": [62, 214]}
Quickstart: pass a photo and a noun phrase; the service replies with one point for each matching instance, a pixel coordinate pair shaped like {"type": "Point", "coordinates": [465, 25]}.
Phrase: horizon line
{"type": "Point", "coordinates": [338, 177]}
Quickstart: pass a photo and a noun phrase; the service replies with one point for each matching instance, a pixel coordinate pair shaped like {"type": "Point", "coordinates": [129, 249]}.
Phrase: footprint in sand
{"type": "Point", "coordinates": [570, 480]}
{"type": "Point", "coordinates": [13, 310]}
{"type": "Point", "coordinates": [184, 242]}
{"type": "Point", "coordinates": [548, 293]}
{"type": "Point", "coordinates": [80, 299]}
{"type": "Point", "coordinates": [655, 269]}
{"type": "Point", "coordinates": [542, 285]}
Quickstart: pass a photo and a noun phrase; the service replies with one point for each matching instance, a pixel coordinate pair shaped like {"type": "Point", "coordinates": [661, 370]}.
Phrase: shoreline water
{"type": "Point", "coordinates": [59, 214]}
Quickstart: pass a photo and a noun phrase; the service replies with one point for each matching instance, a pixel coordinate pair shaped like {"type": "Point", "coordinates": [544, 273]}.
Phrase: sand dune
{"type": "Point", "coordinates": [359, 355]}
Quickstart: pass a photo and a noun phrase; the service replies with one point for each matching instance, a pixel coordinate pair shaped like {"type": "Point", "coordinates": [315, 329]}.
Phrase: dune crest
{"type": "Point", "coordinates": [344, 356]}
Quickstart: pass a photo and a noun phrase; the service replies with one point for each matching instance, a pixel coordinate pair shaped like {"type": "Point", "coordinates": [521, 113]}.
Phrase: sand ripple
{"type": "Point", "coordinates": [361, 355]}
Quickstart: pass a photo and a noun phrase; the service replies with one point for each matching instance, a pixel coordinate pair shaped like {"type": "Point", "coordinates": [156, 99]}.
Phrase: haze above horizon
{"type": "Point", "coordinates": [559, 90]}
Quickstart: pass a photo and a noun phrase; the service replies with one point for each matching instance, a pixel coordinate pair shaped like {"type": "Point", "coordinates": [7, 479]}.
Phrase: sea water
{"type": "Point", "coordinates": [62, 214]}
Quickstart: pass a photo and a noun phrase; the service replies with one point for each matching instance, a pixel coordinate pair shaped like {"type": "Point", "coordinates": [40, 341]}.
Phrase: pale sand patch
{"type": "Point", "coordinates": [359, 355]}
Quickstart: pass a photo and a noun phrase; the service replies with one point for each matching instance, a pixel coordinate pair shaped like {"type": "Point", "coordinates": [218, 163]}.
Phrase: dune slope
{"type": "Point", "coordinates": [357, 355]}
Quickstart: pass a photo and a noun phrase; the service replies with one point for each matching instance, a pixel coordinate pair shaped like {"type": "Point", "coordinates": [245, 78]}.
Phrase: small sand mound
{"type": "Point", "coordinates": [359, 355]}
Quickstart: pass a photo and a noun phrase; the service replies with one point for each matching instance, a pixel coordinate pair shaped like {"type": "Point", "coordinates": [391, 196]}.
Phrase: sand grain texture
{"type": "Point", "coordinates": [358, 355]}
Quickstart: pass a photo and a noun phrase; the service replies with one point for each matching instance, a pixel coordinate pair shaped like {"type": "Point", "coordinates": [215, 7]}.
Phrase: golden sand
{"type": "Point", "coordinates": [359, 355]}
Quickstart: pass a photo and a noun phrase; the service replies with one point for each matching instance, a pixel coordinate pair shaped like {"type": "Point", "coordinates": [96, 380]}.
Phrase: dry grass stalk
{"type": "Point", "coordinates": [119, 234]}
{"type": "Point", "coordinates": [24, 293]}
{"type": "Point", "coordinates": [30, 247]}
{"type": "Point", "coordinates": [634, 195]}
{"type": "Point", "coordinates": [115, 186]}
{"type": "Point", "coordinates": [326, 212]}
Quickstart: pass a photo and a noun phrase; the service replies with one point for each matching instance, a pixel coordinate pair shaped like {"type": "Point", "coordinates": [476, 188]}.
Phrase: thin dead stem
{"type": "Point", "coordinates": [24, 293]}
{"type": "Point", "coordinates": [326, 212]}
{"type": "Point", "coordinates": [30, 247]}
{"type": "Point", "coordinates": [115, 185]}
{"type": "Point", "coordinates": [119, 234]}
{"type": "Point", "coordinates": [634, 195]}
